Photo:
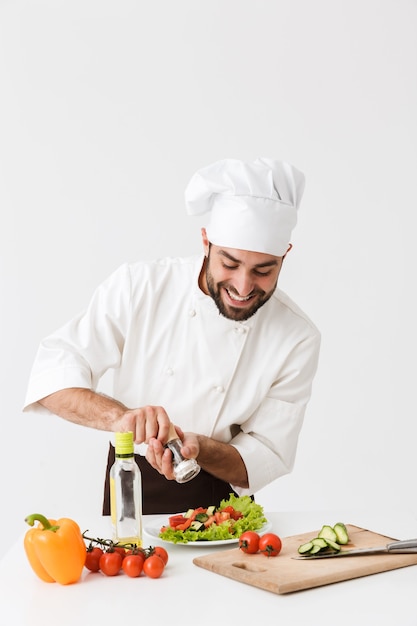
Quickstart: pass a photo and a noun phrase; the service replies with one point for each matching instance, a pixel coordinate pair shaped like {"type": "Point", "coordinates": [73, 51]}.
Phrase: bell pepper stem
{"type": "Point", "coordinates": [37, 517]}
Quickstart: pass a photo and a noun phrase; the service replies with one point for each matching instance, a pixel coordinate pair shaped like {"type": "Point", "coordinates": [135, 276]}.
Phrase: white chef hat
{"type": "Point", "coordinates": [251, 205]}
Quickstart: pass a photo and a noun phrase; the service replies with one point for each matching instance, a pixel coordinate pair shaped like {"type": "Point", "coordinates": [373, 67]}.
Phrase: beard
{"type": "Point", "coordinates": [238, 314]}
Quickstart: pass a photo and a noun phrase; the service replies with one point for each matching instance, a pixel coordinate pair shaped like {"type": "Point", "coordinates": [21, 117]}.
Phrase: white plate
{"type": "Point", "coordinates": [154, 530]}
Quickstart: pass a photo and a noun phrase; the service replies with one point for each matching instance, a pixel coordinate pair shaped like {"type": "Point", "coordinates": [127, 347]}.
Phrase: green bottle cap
{"type": "Point", "coordinates": [124, 444]}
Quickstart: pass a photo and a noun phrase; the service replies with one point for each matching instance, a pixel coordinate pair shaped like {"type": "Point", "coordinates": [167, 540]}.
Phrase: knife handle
{"type": "Point", "coordinates": [408, 545]}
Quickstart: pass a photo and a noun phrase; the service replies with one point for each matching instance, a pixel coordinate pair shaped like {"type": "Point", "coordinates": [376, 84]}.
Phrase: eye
{"type": "Point", "coordinates": [259, 273]}
{"type": "Point", "coordinates": [229, 267]}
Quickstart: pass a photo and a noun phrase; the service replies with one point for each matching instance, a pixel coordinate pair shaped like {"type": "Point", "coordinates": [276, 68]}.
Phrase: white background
{"type": "Point", "coordinates": [106, 110]}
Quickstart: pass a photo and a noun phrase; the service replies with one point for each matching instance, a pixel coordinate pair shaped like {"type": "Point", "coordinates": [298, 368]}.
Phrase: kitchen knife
{"type": "Point", "coordinates": [408, 546]}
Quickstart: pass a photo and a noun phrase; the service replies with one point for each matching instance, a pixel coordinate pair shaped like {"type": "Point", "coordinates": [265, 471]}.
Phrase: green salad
{"type": "Point", "coordinates": [228, 521]}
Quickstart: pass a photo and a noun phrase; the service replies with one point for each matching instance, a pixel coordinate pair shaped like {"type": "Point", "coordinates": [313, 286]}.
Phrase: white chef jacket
{"type": "Point", "coordinates": [244, 383]}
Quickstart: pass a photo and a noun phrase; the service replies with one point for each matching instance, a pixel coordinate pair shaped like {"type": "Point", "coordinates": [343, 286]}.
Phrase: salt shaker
{"type": "Point", "coordinates": [184, 469]}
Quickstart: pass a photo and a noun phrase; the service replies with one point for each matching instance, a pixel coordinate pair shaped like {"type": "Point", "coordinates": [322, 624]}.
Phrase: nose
{"type": "Point", "coordinates": [243, 283]}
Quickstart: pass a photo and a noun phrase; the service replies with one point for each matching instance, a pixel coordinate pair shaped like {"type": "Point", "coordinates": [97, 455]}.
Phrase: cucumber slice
{"type": "Point", "coordinates": [196, 525]}
{"type": "Point", "coordinates": [333, 544]}
{"type": "Point", "coordinates": [319, 541]}
{"type": "Point", "coordinates": [327, 532]}
{"type": "Point", "coordinates": [305, 547]}
{"type": "Point", "coordinates": [315, 549]}
{"type": "Point", "coordinates": [341, 533]}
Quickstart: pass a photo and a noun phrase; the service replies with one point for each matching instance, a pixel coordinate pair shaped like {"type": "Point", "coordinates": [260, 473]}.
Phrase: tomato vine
{"type": "Point", "coordinates": [112, 557]}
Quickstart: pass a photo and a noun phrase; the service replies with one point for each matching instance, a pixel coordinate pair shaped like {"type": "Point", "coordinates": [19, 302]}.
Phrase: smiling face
{"type": "Point", "coordinates": [239, 281]}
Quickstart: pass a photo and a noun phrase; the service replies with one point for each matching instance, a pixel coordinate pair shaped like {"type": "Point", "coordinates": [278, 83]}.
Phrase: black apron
{"type": "Point", "coordinates": [160, 495]}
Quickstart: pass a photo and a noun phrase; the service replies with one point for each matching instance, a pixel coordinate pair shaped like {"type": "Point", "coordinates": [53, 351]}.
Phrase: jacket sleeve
{"type": "Point", "coordinates": [267, 441]}
{"type": "Point", "coordinates": [79, 353]}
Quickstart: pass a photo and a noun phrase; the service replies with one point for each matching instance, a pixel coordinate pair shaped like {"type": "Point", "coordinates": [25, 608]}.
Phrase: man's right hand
{"type": "Point", "coordinates": [148, 422]}
{"type": "Point", "coordinates": [88, 408]}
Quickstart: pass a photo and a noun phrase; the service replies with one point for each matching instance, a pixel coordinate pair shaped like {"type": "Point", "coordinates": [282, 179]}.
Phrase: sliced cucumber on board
{"type": "Point", "coordinates": [329, 538]}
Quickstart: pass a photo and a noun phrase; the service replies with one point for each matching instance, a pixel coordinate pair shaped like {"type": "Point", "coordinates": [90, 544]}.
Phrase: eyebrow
{"type": "Point", "coordinates": [264, 264]}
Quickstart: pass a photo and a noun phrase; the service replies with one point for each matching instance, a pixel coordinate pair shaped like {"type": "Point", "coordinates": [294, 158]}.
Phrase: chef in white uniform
{"type": "Point", "coordinates": [208, 343]}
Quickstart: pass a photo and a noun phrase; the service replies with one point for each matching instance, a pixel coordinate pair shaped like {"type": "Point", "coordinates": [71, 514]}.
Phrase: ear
{"type": "Point", "coordinates": [205, 240]}
{"type": "Point", "coordinates": [288, 249]}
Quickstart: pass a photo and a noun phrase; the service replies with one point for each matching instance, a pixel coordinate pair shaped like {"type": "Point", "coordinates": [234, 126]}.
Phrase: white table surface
{"type": "Point", "coordinates": [187, 594]}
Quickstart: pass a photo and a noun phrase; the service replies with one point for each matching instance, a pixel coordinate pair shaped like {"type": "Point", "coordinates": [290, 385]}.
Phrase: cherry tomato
{"type": "Point", "coordinates": [153, 566]}
{"type": "Point", "coordinates": [161, 552]}
{"type": "Point", "coordinates": [120, 550]}
{"type": "Point", "coordinates": [249, 542]}
{"type": "Point", "coordinates": [270, 544]}
{"type": "Point", "coordinates": [138, 551]}
{"type": "Point", "coordinates": [111, 563]}
{"type": "Point", "coordinates": [133, 565]}
{"type": "Point", "coordinates": [92, 561]}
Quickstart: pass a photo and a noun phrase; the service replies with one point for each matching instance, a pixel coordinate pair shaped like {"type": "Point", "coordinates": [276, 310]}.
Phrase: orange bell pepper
{"type": "Point", "coordinates": [55, 549]}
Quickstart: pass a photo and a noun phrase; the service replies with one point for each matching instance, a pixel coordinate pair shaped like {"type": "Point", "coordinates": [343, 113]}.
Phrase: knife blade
{"type": "Point", "coordinates": [407, 546]}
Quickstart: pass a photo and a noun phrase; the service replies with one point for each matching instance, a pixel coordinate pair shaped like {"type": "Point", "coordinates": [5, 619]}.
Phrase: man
{"type": "Point", "coordinates": [208, 343]}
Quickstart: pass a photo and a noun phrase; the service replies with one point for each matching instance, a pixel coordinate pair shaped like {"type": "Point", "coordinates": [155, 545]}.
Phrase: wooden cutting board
{"type": "Point", "coordinates": [284, 574]}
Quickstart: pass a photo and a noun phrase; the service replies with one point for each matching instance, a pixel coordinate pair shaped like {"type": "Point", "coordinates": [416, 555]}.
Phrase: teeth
{"type": "Point", "coordinates": [234, 296]}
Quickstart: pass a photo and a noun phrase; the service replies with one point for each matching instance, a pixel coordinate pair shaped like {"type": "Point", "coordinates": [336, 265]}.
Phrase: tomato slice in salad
{"type": "Point", "coordinates": [221, 516]}
{"type": "Point", "coordinates": [175, 521]}
{"type": "Point", "coordinates": [233, 513]}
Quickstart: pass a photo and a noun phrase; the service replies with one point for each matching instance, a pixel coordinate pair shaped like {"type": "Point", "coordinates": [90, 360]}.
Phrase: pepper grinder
{"type": "Point", "coordinates": [184, 469]}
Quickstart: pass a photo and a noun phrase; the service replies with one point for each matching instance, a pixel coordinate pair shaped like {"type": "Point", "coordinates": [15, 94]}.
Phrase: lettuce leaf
{"type": "Point", "coordinates": [253, 519]}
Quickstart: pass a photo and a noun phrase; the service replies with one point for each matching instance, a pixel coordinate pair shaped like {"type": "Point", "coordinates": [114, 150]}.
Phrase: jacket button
{"type": "Point", "coordinates": [170, 371]}
{"type": "Point", "coordinates": [192, 313]}
{"type": "Point", "coordinates": [219, 389]}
